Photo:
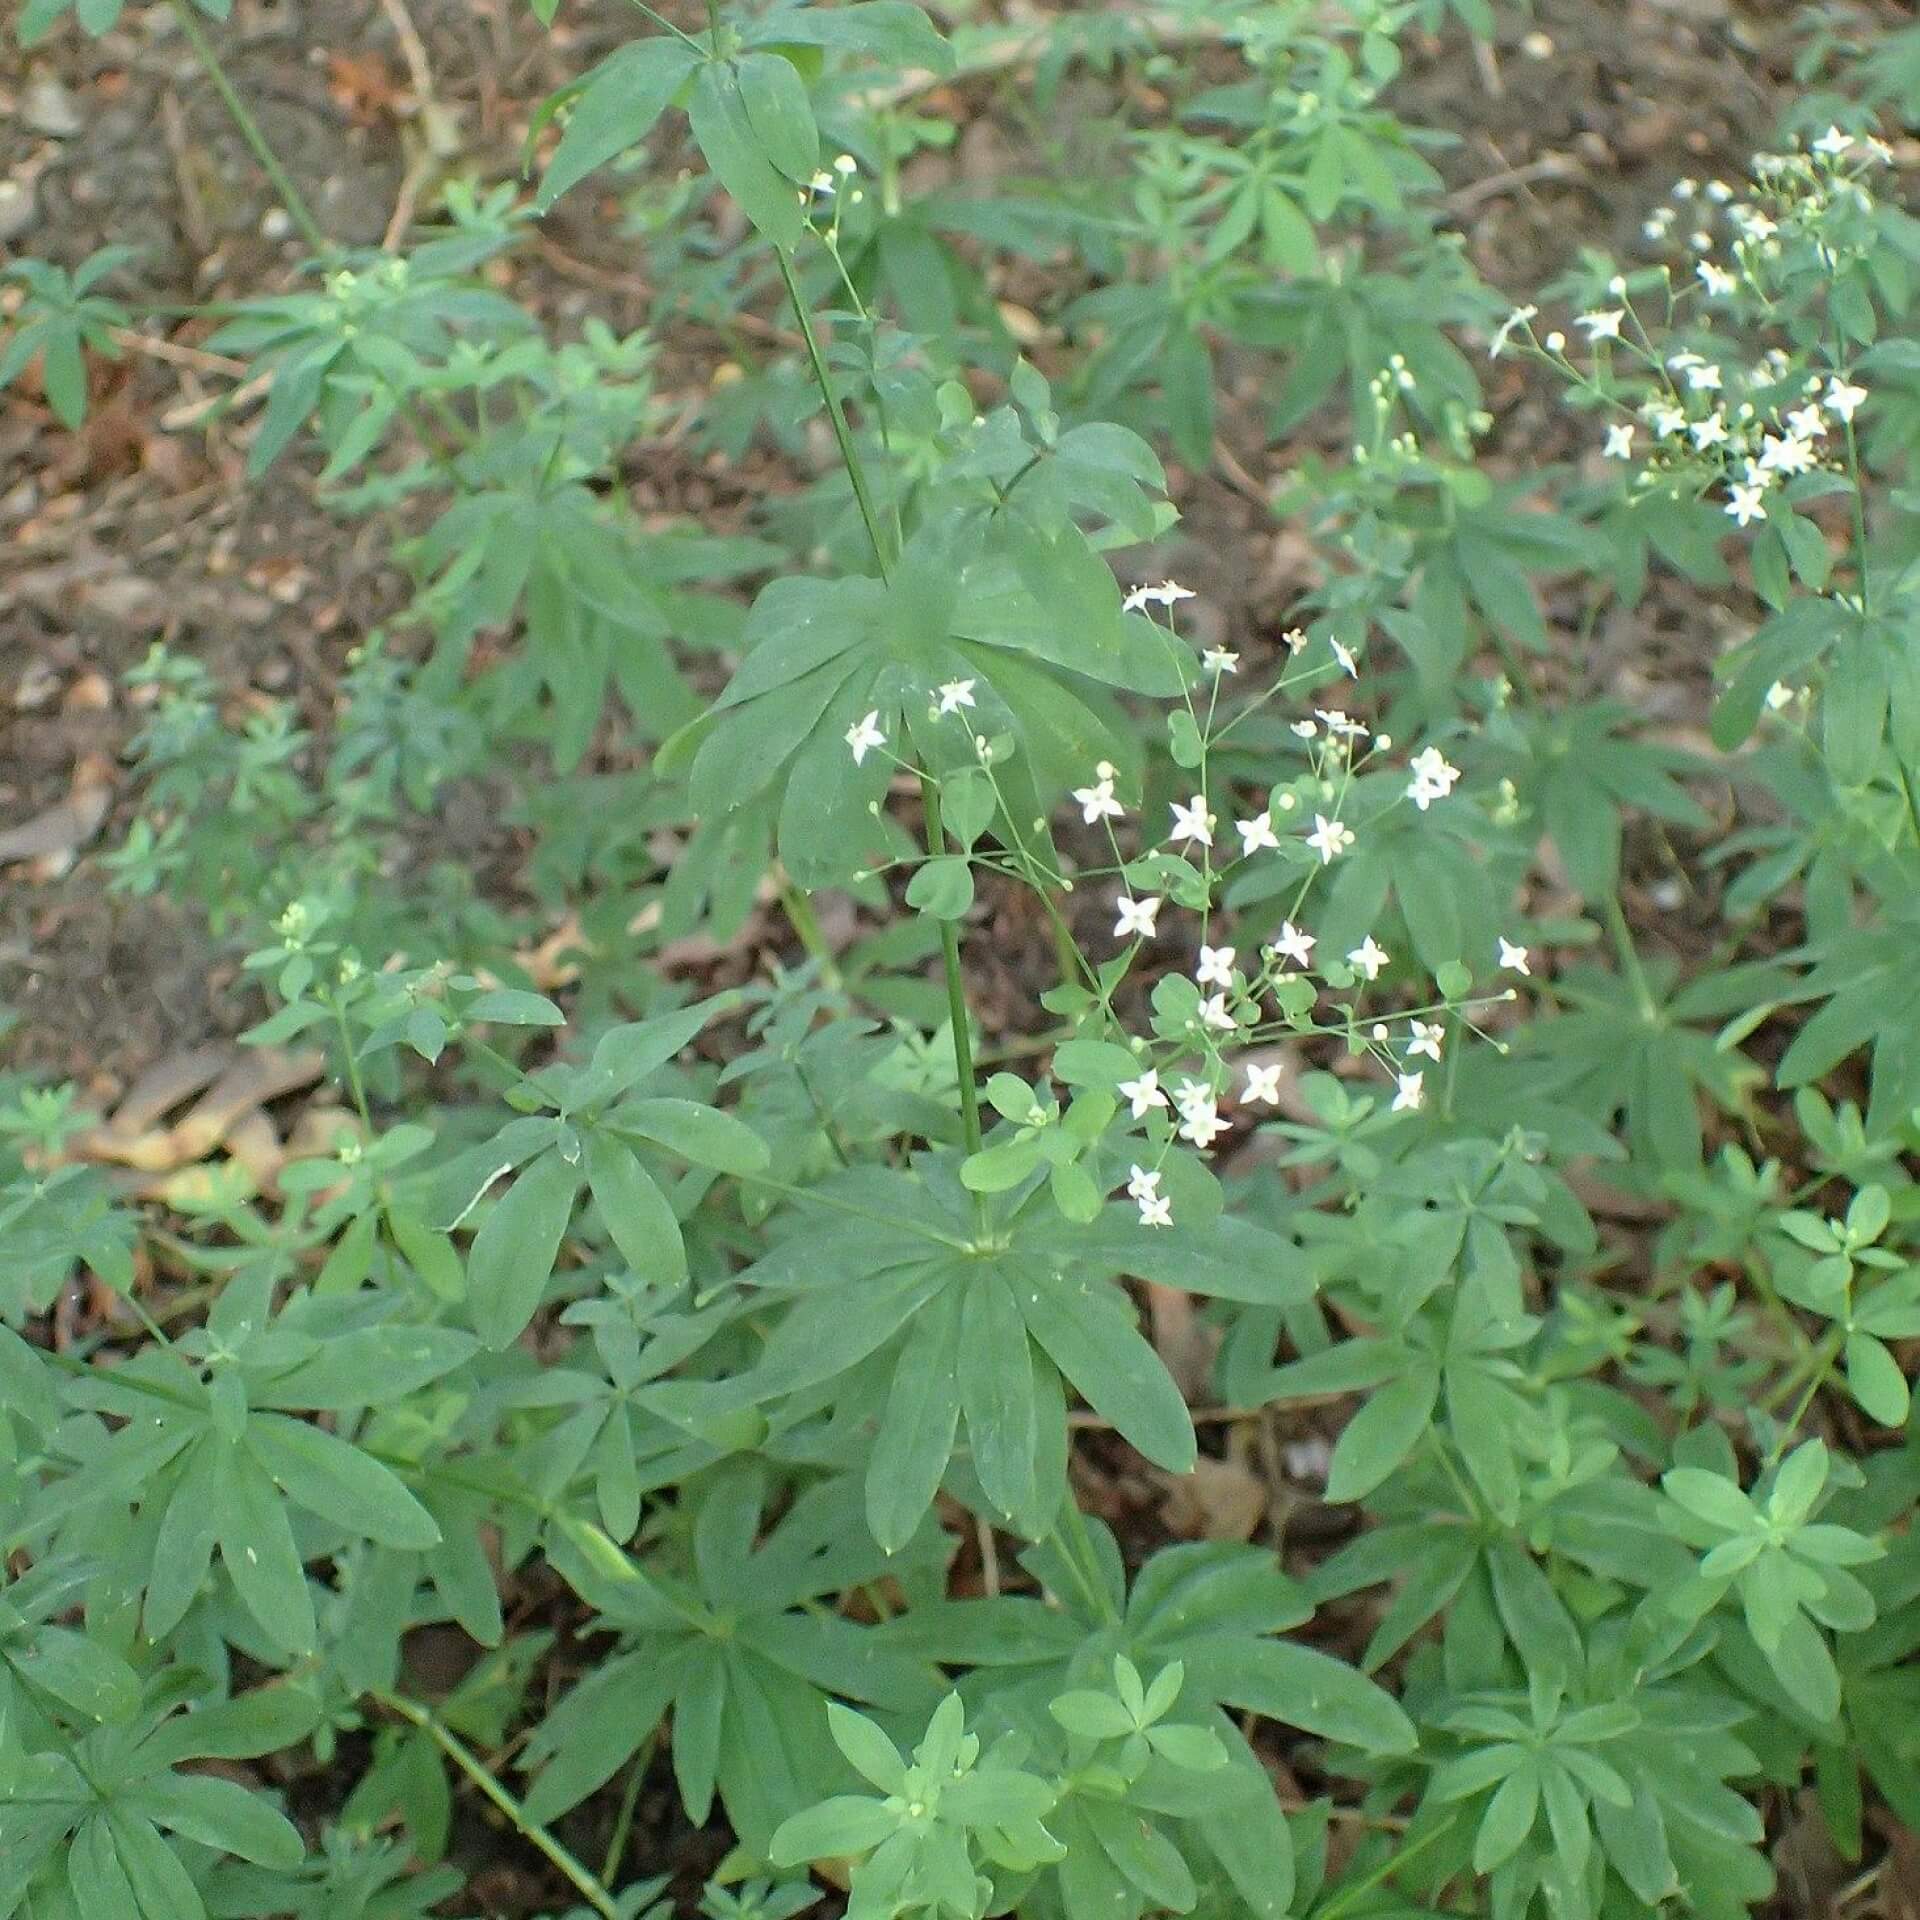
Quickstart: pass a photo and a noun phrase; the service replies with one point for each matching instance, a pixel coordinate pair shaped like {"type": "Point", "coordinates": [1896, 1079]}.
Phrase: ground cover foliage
{"type": "Point", "coordinates": [714, 1367]}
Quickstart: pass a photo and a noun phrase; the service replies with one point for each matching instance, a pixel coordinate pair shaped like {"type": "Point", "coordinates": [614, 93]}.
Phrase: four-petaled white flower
{"type": "Point", "coordinates": [1368, 957]}
{"type": "Point", "coordinates": [1433, 777]}
{"type": "Point", "coordinates": [1215, 1014]}
{"type": "Point", "coordinates": [1513, 958]}
{"type": "Point", "coordinates": [1348, 664]}
{"type": "Point", "coordinates": [955, 694]}
{"type": "Point", "coordinates": [1191, 1093]}
{"type": "Point", "coordinates": [1263, 1086]}
{"type": "Point", "coordinates": [1142, 1182]}
{"type": "Point", "coordinates": [1703, 377]}
{"type": "Point", "coordinates": [1709, 431]}
{"type": "Point", "coordinates": [1136, 917]}
{"type": "Point", "coordinates": [1200, 1121]}
{"type": "Point", "coordinates": [1602, 325]}
{"type": "Point", "coordinates": [1342, 725]}
{"type": "Point", "coordinates": [1220, 660]}
{"type": "Point", "coordinates": [1746, 504]}
{"type": "Point", "coordinates": [1807, 423]}
{"type": "Point", "coordinates": [1427, 1035]}
{"type": "Point", "coordinates": [1164, 595]}
{"type": "Point", "coordinates": [1786, 453]}
{"type": "Point", "coordinates": [1143, 1095]}
{"type": "Point", "coordinates": [1407, 1095]}
{"type": "Point", "coordinates": [1716, 279]}
{"type": "Point", "coordinates": [1619, 441]}
{"type": "Point", "coordinates": [1193, 821]}
{"type": "Point", "coordinates": [1833, 143]}
{"type": "Point", "coordinates": [1156, 1210]}
{"type": "Point", "coordinates": [1304, 730]}
{"type": "Point", "coordinates": [1844, 398]}
{"type": "Point", "coordinates": [1779, 697]}
{"type": "Point", "coordinates": [1292, 944]}
{"type": "Point", "coordinates": [1215, 968]}
{"type": "Point", "coordinates": [1329, 838]}
{"type": "Point", "coordinates": [1097, 801]}
{"type": "Point", "coordinates": [864, 735]}
{"type": "Point", "coordinates": [1256, 833]}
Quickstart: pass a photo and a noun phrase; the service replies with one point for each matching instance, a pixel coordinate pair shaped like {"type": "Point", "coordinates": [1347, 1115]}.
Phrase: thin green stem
{"type": "Point", "coordinates": [661, 20]}
{"type": "Point", "coordinates": [956, 987]}
{"type": "Point", "coordinates": [587, 1884]}
{"type": "Point", "coordinates": [806, 926]}
{"type": "Point", "coordinates": [1077, 1544]}
{"type": "Point", "coordinates": [623, 1820]}
{"type": "Point", "coordinates": [290, 198]}
{"type": "Point", "coordinates": [1347, 1896]}
{"type": "Point", "coordinates": [1629, 957]}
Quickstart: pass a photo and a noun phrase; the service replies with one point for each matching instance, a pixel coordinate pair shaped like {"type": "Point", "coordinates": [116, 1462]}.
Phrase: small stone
{"type": "Point", "coordinates": [50, 108]}
{"type": "Point", "coordinates": [17, 208]}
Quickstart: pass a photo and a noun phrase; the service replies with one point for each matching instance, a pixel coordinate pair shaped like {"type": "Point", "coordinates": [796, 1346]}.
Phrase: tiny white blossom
{"type": "Point", "coordinates": [1142, 1182]}
{"type": "Point", "coordinates": [1717, 280]}
{"type": "Point", "coordinates": [846, 164]}
{"type": "Point", "coordinates": [1807, 423]}
{"type": "Point", "coordinates": [1843, 398]}
{"type": "Point", "coordinates": [1164, 595]}
{"type": "Point", "coordinates": [1369, 957]}
{"type": "Point", "coordinates": [1262, 1088]}
{"type": "Point", "coordinates": [1779, 695]}
{"type": "Point", "coordinates": [1200, 1122]}
{"type": "Point", "coordinates": [1433, 777]}
{"type": "Point", "coordinates": [1407, 1094]}
{"type": "Point", "coordinates": [1709, 431]}
{"type": "Point", "coordinates": [1329, 838]}
{"type": "Point", "coordinates": [1348, 665]}
{"type": "Point", "coordinates": [1427, 1035]}
{"type": "Point", "coordinates": [1664, 418]}
{"type": "Point", "coordinates": [1156, 1211]}
{"type": "Point", "coordinates": [955, 694]}
{"type": "Point", "coordinates": [1193, 821]}
{"type": "Point", "coordinates": [1619, 441]}
{"type": "Point", "coordinates": [1788, 454]}
{"type": "Point", "coordinates": [1704, 377]}
{"type": "Point", "coordinates": [1220, 660]}
{"type": "Point", "coordinates": [1511, 325]}
{"type": "Point", "coordinates": [1215, 968]}
{"type": "Point", "coordinates": [1256, 833]}
{"type": "Point", "coordinates": [1746, 504]}
{"type": "Point", "coordinates": [1294, 639]}
{"type": "Point", "coordinates": [1097, 801]}
{"type": "Point", "coordinates": [1142, 1096]}
{"type": "Point", "coordinates": [1342, 726]}
{"type": "Point", "coordinates": [864, 735]}
{"type": "Point", "coordinates": [1833, 143]}
{"type": "Point", "coordinates": [1215, 1015]}
{"type": "Point", "coordinates": [1136, 918]}
{"type": "Point", "coordinates": [1602, 324]}
{"type": "Point", "coordinates": [1292, 944]}
{"type": "Point", "coordinates": [1190, 1094]}
{"type": "Point", "coordinates": [1304, 730]}
{"type": "Point", "coordinates": [1512, 957]}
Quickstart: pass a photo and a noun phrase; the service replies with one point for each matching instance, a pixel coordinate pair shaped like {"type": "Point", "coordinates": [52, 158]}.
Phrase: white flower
{"type": "Point", "coordinates": [1193, 821]}
{"type": "Point", "coordinates": [823, 183]}
{"type": "Point", "coordinates": [1833, 143]}
{"type": "Point", "coordinates": [1685, 189]}
{"type": "Point", "coordinates": [1807, 423]}
{"type": "Point", "coordinates": [1220, 660]}
{"type": "Point", "coordinates": [1433, 777]}
{"type": "Point", "coordinates": [1709, 431]}
{"type": "Point", "coordinates": [1555, 342]}
{"type": "Point", "coordinates": [1779, 696]}
{"type": "Point", "coordinates": [1704, 378]}
{"type": "Point", "coordinates": [846, 164]}
{"type": "Point", "coordinates": [1214, 1013]}
{"type": "Point", "coordinates": [1369, 957]}
{"type": "Point", "coordinates": [1164, 595]}
{"type": "Point", "coordinates": [1262, 1088]}
{"type": "Point", "coordinates": [1216, 967]}
{"type": "Point", "coordinates": [1664, 418]}
{"type": "Point", "coordinates": [1256, 833]}
{"type": "Point", "coordinates": [1097, 801]}
{"type": "Point", "coordinates": [1293, 945]}
{"type": "Point", "coordinates": [1348, 665]}
{"type": "Point", "coordinates": [1294, 639]}
{"type": "Point", "coordinates": [1329, 838]}
{"type": "Point", "coordinates": [955, 694]}
{"type": "Point", "coordinates": [1619, 441]}
{"type": "Point", "coordinates": [1136, 918]}
{"type": "Point", "coordinates": [1514, 958]}
{"type": "Point", "coordinates": [1341, 725]}
{"type": "Point", "coordinates": [1190, 1094]}
{"type": "Point", "coordinates": [1746, 504]}
{"type": "Point", "coordinates": [1790, 454]}
{"type": "Point", "coordinates": [1143, 1095]}
{"type": "Point", "coordinates": [1717, 280]}
{"type": "Point", "coordinates": [1142, 1182]}
{"type": "Point", "coordinates": [864, 735]}
{"type": "Point", "coordinates": [1602, 325]}
{"type": "Point", "coordinates": [1427, 1035]}
{"type": "Point", "coordinates": [1200, 1121]}
{"type": "Point", "coordinates": [1155, 1211]}
{"type": "Point", "coordinates": [1407, 1095]}
{"type": "Point", "coordinates": [1304, 730]}
{"type": "Point", "coordinates": [1844, 399]}
{"type": "Point", "coordinates": [1511, 325]}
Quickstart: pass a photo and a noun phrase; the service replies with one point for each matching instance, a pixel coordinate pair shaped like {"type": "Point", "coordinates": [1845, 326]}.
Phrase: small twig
{"type": "Point", "coordinates": [1550, 166]}
{"type": "Point", "coordinates": [197, 358]}
{"type": "Point", "coordinates": [194, 412]}
{"type": "Point", "coordinates": [412, 50]}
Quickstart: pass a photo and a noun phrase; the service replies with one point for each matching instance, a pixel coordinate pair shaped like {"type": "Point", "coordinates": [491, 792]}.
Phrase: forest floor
{"type": "Point", "coordinates": [143, 528]}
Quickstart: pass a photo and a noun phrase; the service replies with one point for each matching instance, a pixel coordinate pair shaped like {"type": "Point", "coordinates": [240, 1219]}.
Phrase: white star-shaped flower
{"type": "Point", "coordinates": [1143, 1095]}
{"type": "Point", "coordinates": [956, 694]}
{"type": "Point", "coordinates": [1190, 1094]}
{"type": "Point", "coordinates": [1216, 967]}
{"type": "Point", "coordinates": [1262, 1088]}
{"type": "Point", "coordinates": [1703, 377]}
{"type": "Point", "coordinates": [1348, 664]}
{"type": "Point", "coordinates": [1513, 958]}
{"type": "Point", "coordinates": [1097, 802]}
{"type": "Point", "coordinates": [1427, 1035]}
{"type": "Point", "coordinates": [1201, 1122]}
{"type": "Point", "coordinates": [1220, 660]}
{"type": "Point", "coordinates": [1833, 143]}
{"type": "Point", "coordinates": [1717, 280]}
{"type": "Point", "coordinates": [1368, 957]}
{"type": "Point", "coordinates": [1619, 441]}
{"type": "Point", "coordinates": [1193, 821]}
{"type": "Point", "coordinates": [1142, 1182]}
{"type": "Point", "coordinates": [1156, 1211]}
{"type": "Point", "coordinates": [1291, 944]}
{"type": "Point", "coordinates": [1787, 453]}
{"type": "Point", "coordinates": [1434, 777]}
{"type": "Point", "coordinates": [1746, 504]}
{"type": "Point", "coordinates": [1407, 1095]}
{"type": "Point", "coordinates": [1164, 595]}
{"type": "Point", "coordinates": [1215, 1015]}
{"type": "Point", "coordinates": [1807, 423]}
{"type": "Point", "coordinates": [1709, 431]}
{"type": "Point", "coordinates": [1329, 838]}
{"type": "Point", "coordinates": [1256, 833]}
{"type": "Point", "coordinates": [1844, 398]}
{"type": "Point", "coordinates": [1779, 697]}
{"type": "Point", "coordinates": [864, 735]}
{"type": "Point", "coordinates": [1602, 325]}
{"type": "Point", "coordinates": [1136, 917]}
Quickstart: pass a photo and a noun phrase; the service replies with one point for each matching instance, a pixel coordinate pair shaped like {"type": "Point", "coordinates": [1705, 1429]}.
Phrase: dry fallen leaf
{"type": "Point", "coordinates": [52, 840]}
